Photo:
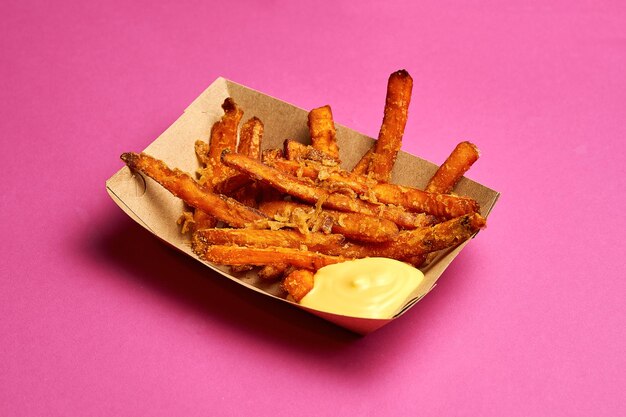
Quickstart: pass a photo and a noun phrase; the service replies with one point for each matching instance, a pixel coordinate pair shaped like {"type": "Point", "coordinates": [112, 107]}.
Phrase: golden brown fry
{"type": "Point", "coordinates": [250, 138]}
{"type": "Point", "coordinates": [240, 255]}
{"type": "Point", "coordinates": [295, 150]}
{"type": "Point", "coordinates": [394, 120]}
{"type": "Point", "coordinates": [322, 130]}
{"type": "Point", "coordinates": [413, 199]}
{"type": "Point", "coordinates": [202, 220]}
{"type": "Point", "coordinates": [223, 137]}
{"type": "Point", "coordinates": [184, 187]}
{"type": "Point", "coordinates": [239, 186]}
{"type": "Point", "coordinates": [420, 241]}
{"type": "Point", "coordinates": [298, 283]}
{"type": "Point", "coordinates": [264, 238]}
{"type": "Point", "coordinates": [407, 244]}
{"type": "Point", "coordinates": [362, 167]}
{"type": "Point", "coordinates": [355, 226]}
{"type": "Point", "coordinates": [211, 171]}
{"type": "Point", "coordinates": [293, 186]}
{"type": "Point", "coordinates": [453, 169]}
{"type": "Point", "coordinates": [273, 272]}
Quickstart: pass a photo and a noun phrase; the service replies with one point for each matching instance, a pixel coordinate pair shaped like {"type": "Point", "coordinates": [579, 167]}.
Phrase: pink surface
{"type": "Point", "coordinates": [99, 318]}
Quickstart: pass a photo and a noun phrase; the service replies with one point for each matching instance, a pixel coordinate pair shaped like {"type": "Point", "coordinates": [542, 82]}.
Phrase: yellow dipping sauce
{"type": "Point", "coordinates": [369, 288]}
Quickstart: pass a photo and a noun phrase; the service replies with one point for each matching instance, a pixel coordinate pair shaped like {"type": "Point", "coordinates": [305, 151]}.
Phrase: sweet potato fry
{"type": "Point", "coordinates": [293, 186]}
{"type": "Point", "coordinates": [237, 185]}
{"type": "Point", "coordinates": [264, 238]}
{"type": "Point", "coordinates": [295, 150]}
{"type": "Point", "coordinates": [223, 137]}
{"type": "Point", "coordinates": [250, 138]}
{"type": "Point", "coordinates": [298, 283]}
{"type": "Point", "coordinates": [413, 199]}
{"type": "Point", "coordinates": [211, 171]}
{"type": "Point", "coordinates": [241, 255]}
{"type": "Point", "coordinates": [184, 187]}
{"type": "Point", "coordinates": [421, 241]}
{"type": "Point", "coordinates": [453, 169]}
{"type": "Point", "coordinates": [362, 167]}
{"type": "Point", "coordinates": [322, 130]}
{"type": "Point", "coordinates": [355, 226]}
{"type": "Point", "coordinates": [394, 120]}
{"type": "Point", "coordinates": [409, 243]}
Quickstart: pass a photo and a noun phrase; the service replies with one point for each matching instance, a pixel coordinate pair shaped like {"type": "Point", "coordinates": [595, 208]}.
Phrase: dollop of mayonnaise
{"type": "Point", "coordinates": [368, 288]}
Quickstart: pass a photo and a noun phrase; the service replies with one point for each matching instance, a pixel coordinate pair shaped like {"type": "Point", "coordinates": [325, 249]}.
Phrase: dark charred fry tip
{"type": "Point", "coordinates": [229, 105]}
{"type": "Point", "coordinates": [401, 74]}
{"type": "Point", "coordinates": [129, 158]}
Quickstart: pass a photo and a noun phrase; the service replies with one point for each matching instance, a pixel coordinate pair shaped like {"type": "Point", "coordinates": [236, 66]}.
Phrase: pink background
{"type": "Point", "coordinates": [99, 318]}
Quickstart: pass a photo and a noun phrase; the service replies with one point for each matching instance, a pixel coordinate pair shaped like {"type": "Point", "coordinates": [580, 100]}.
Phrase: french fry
{"type": "Point", "coordinates": [362, 167]}
{"type": "Point", "coordinates": [241, 255]}
{"type": "Point", "coordinates": [453, 169]}
{"type": "Point", "coordinates": [408, 243]}
{"type": "Point", "coordinates": [413, 199]}
{"type": "Point", "coordinates": [211, 171]}
{"type": "Point", "coordinates": [237, 185]}
{"type": "Point", "coordinates": [186, 188]}
{"type": "Point", "coordinates": [394, 120]}
{"type": "Point", "coordinates": [293, 186]}
{"type": "Point", "coordinates": [250, 138]}
{"type": "Point", "coordinates": [295, 151]}
{"type": "Point", "coordinates": [352, 225]}
{"type": "Point", "coordinates": [263, 238]}
{"type": "Point", "coordinates": [322, 130]}
{"type": "Point", "coordinates": [223, 137]}
{"type": "Point", "coordinates": [446, 178]}
{"type": "Point", "coordinates": [298, 283]}
{"type": "Point", "coordinates": [421, 241]}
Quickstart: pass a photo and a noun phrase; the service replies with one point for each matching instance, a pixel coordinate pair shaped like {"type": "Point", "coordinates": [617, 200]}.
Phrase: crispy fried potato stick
{"type": "Point", "coordinates": [394, 120]}
{"type": "Point", "coordinates": [240, 255]}
{"type": "Point", "coordinates": [223, 137]}
{"type": "Point", "coordinates": [322, 130]}
{"type": "Point", "coordinates": [250, 138]}
{"type": "Point", "coordinates": [298, 283]}
{"type": "Point", "coordinates": [264, 238]}
{"type": "Point", "coordinates": [362, 167]}
{"type": "Point", "coordinates": [211, 172]}
{"type": "Point", "coordinates": [413, 199]}
{"type": "Point", "coordinates": [409, 243]}
{"type": "Point", "coordinates": [453, 169]}
{"type": "Point", "coordinates": [240, 186]}
{"type": "Point", "coordinates": [420, 241]}
{"type": "Point", "coordinates": [184, 187]}
{"type": "Point", "coordinates": [355, 226]}
{"type": "Point", "coordinates": [295, 150]}
{"type": "Point", "coordinates": [293, 186]}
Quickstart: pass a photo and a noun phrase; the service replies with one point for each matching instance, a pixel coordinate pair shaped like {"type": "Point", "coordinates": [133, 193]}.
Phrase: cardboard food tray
{"type": "Point", "coordinates": [157, 210]}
